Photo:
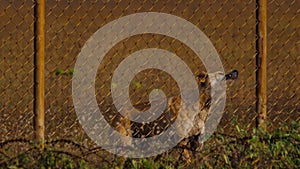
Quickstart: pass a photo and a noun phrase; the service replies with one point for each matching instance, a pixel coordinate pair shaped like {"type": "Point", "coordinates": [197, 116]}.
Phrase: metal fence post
{"type": "Point", "coordinates": [39, 55]}
{"type": "Point", "coordinates": [261, 63]}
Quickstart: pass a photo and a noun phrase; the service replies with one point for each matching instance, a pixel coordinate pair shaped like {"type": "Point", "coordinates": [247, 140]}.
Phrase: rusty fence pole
{"type": "Point", "coordinates": [39, 55]}
{"type": "Point", "coordinates": [261, 63]}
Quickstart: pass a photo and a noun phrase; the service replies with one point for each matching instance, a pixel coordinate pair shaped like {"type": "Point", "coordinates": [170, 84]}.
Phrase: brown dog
{"type": "Point", "coordinates": [190, 142]}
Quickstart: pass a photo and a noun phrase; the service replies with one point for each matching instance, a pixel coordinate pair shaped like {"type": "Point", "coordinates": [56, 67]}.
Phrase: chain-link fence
{"type": "Point", "coordinates": [230, 25]}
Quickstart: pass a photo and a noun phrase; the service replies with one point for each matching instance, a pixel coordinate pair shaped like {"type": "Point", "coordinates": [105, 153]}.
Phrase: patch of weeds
{"type": "Point", "coordinates": [69, 72]}
{"type": "Point", "coordinates": [256, 149]}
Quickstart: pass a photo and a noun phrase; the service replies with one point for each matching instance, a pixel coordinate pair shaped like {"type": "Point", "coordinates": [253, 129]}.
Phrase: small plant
{"type": "Point", "coordinates": [69, 72]}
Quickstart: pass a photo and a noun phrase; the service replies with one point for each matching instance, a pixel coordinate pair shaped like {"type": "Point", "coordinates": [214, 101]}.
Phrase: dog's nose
{"type": "Point", "coordinates": [232, 75]}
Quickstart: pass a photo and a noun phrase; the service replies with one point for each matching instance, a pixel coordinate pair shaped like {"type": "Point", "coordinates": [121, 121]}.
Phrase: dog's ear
{"type": "Point", "coordinates": [202, 77]}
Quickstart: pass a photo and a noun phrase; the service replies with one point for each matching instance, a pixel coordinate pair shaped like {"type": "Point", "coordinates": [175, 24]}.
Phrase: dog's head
{"type": "Point", "coordinates": [204, 79]}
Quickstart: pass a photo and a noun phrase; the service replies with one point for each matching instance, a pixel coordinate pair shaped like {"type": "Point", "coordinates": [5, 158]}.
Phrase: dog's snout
{"type": "Point", "coordinates": [232, 75]}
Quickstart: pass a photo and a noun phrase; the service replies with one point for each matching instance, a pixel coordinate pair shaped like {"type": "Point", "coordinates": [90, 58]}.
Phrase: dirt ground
{"type": "Point", "coordinates": [230, 25]}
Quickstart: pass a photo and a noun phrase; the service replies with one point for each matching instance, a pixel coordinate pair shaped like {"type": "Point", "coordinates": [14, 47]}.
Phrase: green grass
{"type": "Point", "coordinates": [279, 148]}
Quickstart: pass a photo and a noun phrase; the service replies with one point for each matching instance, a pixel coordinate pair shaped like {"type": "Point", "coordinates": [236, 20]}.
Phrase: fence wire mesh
{"type": "Point", "coordinates": [230, 25]}
{"type": "Point", "coordinates": [69, 25]}
{"type": "Point", "coordinates": [283, 61]}
{"type": "Point", "coordinates": [16, 81]}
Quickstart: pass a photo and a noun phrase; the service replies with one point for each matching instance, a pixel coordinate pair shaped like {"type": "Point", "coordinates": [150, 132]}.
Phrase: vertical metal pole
{"type": "Point", "coordinates": [261, 62]}
{"type": "Point", "coordinates": [39, 55]}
